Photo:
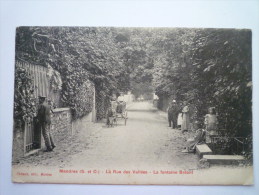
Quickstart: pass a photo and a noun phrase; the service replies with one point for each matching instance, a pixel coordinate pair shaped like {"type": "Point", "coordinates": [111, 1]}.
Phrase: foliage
{"type": "Point", "coordinates": [24, 101]}
{"type": "Point", "coordinates": [102, 104]}
{"type": "Point", "coordinates": [214, 70]}
{"type": "Point", "coordinates": [222, 73]}
{"type": "Point", "coordinates": [54, 79]}
{"type": "Point", "coordinates": [79, 55]}
{"type": "Point", "coordinates": [143, 88]}
{"type": "Point", "coordinates": [206, 67]}
{"type": "Point", "coordinates": [82, 103]}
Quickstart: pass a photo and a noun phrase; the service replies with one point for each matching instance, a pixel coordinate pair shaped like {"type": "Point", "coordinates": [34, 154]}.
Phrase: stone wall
{"type": "Point", "coordinates": [81, 123]}
{"type": "Point", "coordinates": [61, 127]}
{"type": "Point", "coordinates": [61, 123]}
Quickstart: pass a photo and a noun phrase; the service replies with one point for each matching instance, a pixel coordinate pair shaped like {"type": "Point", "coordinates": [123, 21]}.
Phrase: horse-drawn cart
{"type": "Point", "coordinates": [116, 112]}
{"type": "Point", "coordinates": [121, 112]}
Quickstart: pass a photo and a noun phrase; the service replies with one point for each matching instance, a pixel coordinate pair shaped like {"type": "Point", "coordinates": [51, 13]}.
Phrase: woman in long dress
{"type": "Point", "coordinates": [186, 117]}
{"type": "Point", "coordinates": [179, 120]}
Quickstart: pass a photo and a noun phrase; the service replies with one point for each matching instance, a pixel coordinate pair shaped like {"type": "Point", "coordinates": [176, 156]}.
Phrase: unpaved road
{"type": "Point", "coordinates": [145, 142]}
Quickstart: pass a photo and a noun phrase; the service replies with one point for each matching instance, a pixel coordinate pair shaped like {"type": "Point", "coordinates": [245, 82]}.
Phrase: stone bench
{"type": "Point", "coordinates": [224, 159]}
{"type": "Point", "coordinates": [203, 149]}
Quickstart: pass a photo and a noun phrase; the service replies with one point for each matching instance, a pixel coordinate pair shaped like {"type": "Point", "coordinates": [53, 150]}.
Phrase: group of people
{"type": "Point", "coordinates": [179, 116]}
{"type": "Point", "coordinates": [116, 107]}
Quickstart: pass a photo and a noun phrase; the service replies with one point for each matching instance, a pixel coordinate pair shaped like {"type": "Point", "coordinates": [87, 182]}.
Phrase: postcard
{"type": "Point", "coordinates": [123, 105]}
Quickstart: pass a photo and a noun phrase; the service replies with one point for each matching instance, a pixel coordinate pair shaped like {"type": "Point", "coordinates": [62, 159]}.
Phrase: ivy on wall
{"type": "Point", "coordinates": [78, 98]}
{"type": "Point", "coordinates": [24, 100]}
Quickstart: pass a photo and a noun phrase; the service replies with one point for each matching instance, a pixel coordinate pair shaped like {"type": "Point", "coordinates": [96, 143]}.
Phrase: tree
{"type": "Point", "coordinates": [79, 54]}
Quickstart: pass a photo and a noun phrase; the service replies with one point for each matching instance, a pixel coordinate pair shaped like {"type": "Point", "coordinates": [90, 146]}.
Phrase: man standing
{"type": "Point", "coordinates": [44, 121]}
{"type": "Point", "coordinates": [173, 112]}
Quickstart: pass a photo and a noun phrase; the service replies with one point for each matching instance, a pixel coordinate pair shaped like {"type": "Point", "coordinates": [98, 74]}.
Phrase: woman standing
{"type": "Point", "coordinates": [186, 117]}
{"type": "Point", "coordinates": [180, 117]}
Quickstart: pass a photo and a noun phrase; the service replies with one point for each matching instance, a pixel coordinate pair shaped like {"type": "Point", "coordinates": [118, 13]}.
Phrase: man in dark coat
{"type": "Point", "coordinates": [44, 122]}
{"type": "Point", "coordinates": [173, 112]}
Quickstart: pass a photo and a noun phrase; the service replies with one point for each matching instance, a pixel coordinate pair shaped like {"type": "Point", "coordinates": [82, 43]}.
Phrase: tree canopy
{"type": "Point", "coordinates": [207, 67]}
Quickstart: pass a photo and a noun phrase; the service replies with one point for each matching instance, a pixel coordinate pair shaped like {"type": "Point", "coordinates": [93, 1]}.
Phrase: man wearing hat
{"type": "Point", "coordinates": [44, 121]}
{"type": "Point", "coordinates": [173, 112]}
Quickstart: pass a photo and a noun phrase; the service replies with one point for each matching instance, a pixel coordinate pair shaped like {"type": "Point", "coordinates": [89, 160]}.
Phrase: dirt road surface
{"type": "Point", "coordinates": [145, 142]}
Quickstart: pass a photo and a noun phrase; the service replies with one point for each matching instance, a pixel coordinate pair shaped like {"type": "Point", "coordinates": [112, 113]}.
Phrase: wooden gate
{"type": "Point", "coordinates": [28, 137]}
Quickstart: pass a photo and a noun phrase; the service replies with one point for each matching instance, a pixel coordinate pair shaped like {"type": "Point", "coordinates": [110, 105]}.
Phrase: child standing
{"type": "Point", "coordinates": [211, 124]}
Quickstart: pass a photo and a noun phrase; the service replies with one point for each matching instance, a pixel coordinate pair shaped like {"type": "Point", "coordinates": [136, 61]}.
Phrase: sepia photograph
{"type": "Point", "coordinates": [132, 105]}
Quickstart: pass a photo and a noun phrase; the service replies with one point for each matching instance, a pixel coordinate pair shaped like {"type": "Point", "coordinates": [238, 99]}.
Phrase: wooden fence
{"type": "Point", "coordinates": [41, 88]}
{"type": "Point", "coordinates": [39, 75]}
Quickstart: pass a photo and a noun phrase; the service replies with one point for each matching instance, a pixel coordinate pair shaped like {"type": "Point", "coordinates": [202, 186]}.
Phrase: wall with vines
{"type": "Point", "coordinates": [24, 100]}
